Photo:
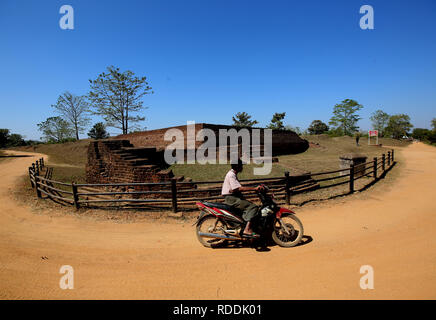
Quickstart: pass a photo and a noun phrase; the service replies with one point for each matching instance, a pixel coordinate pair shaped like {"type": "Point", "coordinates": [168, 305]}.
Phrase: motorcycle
{"type": "Point", "coordinates": [219, 223]}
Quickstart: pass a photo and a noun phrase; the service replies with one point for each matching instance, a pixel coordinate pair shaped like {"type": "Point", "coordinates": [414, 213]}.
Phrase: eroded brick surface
{"type": "Point", "coordinates": [118, 161]}
{"type": "Point", "coordinates": [283, 142]}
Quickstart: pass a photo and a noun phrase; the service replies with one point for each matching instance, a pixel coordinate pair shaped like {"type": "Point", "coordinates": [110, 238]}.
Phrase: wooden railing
{"type": "Point", "coordinates": [175, 193]}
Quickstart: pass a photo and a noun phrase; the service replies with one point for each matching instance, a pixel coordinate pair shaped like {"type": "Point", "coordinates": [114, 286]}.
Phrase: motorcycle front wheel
{"type": "Point", "coordinates": [211, 224]}
{"type": "Point", "coordinates": [294, 234]}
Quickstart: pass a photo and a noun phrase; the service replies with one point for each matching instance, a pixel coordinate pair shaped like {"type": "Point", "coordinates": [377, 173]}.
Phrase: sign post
{"type": "Point", "coordinates": [372, 133]}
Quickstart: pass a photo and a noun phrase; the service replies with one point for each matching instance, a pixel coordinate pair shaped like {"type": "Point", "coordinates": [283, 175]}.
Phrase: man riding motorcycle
{"type": "Point", "coordinates": [232, 192]}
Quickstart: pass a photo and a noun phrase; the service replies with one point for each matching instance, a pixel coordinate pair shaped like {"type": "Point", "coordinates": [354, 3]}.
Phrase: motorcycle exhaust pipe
{"type": "Point", "coordinates": [217, 236]}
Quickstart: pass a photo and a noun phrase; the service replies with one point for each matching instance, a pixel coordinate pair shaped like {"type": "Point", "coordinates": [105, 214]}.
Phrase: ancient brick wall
{"type": "Point", "coordinates": [118, 161]}
{"type": "Point", "coordinates": [283, 142]}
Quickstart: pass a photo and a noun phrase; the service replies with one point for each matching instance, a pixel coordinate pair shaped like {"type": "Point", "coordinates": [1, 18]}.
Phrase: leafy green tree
{"type": "Point", "coordinates": [433, 124]}
{"type": "Point", "coordinates": [98, 131]}
{"type": "Point", "coordinates": [8, 139]}
{"type": "Point", "coordinates": [4, 136]}
{"type": "Point", "coordinates": [277, 121]}
{"type": "Point", "coordinates": [379, 121]}
{"type": "Point", "coordinates": [55, 129]}
{"type": "Point", "coordinates": [398, 126]}
{"type": "Point", "coordinates": [317, 127]}
{"type": "Point", "coordinates": [345, 117]}
{"type": "Point", "coordinates": [15, 140]}
{"type": "Point", "coordinates": [116, 96]}
{"type": "Point", "coordinates": [74, 109]}
{"type": "Point", "coordinates": [242, 119]}
{"type": "Point", "coordinates": [431, 137]}
{"type": "Point", "coordinates": [420, 133]}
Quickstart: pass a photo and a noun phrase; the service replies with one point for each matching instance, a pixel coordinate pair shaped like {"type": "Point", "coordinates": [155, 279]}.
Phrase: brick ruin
{"type": "Point", "coordinates": [118, 161]}
{"type": "Point", "coordinates": [141, 159]}
{"type": "Point", "coordinates": [139, 156]}
{"type": "Point", "coordinates": [283, 141]}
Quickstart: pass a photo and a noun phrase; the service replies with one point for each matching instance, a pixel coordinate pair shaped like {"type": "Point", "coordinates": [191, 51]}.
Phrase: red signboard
{"type": "Point", "coordinates": [373, 133]}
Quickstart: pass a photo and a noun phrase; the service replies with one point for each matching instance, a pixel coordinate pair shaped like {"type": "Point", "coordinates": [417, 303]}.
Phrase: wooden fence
{"type": "Point", "coordinates": [174, 194]}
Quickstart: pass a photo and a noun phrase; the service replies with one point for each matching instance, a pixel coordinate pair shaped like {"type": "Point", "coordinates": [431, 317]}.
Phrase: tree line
{"type": "Point", "coordinates": [116, 96]}
{"type": "Point", "coordinates": [344, 122]}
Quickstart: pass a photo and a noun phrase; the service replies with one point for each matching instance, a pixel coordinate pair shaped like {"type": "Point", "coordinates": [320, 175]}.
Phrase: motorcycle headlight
{"type": "Point", "coordinates": [266, 211]}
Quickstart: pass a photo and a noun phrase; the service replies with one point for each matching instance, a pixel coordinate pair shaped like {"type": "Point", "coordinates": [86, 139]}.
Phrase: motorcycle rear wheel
{"type": "Point", "coordinates": [294, 226]}
{"type": "Point", "coordinates": [211, 224]}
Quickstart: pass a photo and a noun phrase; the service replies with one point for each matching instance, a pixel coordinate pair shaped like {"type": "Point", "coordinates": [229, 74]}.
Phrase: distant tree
{"type": "Point", "coordinates": [117, 95]}
{"type": "Point", "coordinates": [379, 121]}
{"type": "Point", "coordinates": [55, 129]}
{"type": "Point", "coordinates": [15, 140]}
{"type": "Point", "coordinates": [335, 132]}
{"type": "Point", "coordinates": [398, 126]}
{"type": "Point", "coordinates": [4, 135]}
{"type": "Point", "coordinates": [98, 131]}
{"type": "Point", "coordinates": [344, 118]}
{"type": "Point", "coordinates": [277, 121]}
{"type": "Point", "coordinates": [433, 124]}
{"type": "Point", "coordinates": [242, 119]}
{"type": "Point", "coordinates": [431, 137]}
{"type": "Point", "coordinates": [73, 109]}
{"type": "Point", "coordinates": [297, 130]}
{"type": "Point", "coordinates": [420, 133]}
{"type": "Point", "coordinates": [8, 139]}
{"type": "Point", "coordinates": [137, 128]}
{"type": "Point", "coordinates": [317, 127]}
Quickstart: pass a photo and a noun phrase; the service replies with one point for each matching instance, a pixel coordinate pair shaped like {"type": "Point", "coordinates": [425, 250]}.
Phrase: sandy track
{"type": "Point", "coordinates": [393, 232]}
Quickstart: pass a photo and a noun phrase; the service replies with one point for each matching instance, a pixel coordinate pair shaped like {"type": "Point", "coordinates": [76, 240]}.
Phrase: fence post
{"type": "Point", "coordinates": [375, 168]}
{"type": "Point", "coordinates": [42, 161]}
{"type": "Point", "coordinates": [38, 192]}
{"type": "Point", "coordinates": [383, 162]}
{"type": "Point", "coordinates": [33, 167]}
{"type": "Point", "coordinates": [392, 155]}
{"type": "Point", "coordinates": [389, 159]}
{"type": "Point", "coordinates": [37, 169]}
{"type": "Point", "coordinates": [75, 196]}
{"type": "Point", "coordinates": [352, 178]}
{"type": "Point", "coordinates": [30, 177]}
{"type": "Point", "coordinates": [40, 164]}
{"type": "Point", "coordinates": [288, 188]}
{"type": "Point", "coordinates": [174, 194]}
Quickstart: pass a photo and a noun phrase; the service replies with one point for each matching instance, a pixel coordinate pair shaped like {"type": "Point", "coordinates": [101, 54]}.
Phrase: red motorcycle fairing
{"type": "Point", "coordinates": [283, 211]}
{"type": "Point", "coordinates": [218, 212]}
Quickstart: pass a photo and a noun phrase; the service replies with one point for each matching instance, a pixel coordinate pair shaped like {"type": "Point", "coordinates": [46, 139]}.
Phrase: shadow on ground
{"type": "Point", "coordinates": [260, 245]}
{"type": "Point", "coordinates": [15, 156]}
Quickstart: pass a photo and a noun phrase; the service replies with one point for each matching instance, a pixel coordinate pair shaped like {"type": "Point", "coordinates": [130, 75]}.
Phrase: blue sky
{"type": "Point", "coordinates": [207, 60]}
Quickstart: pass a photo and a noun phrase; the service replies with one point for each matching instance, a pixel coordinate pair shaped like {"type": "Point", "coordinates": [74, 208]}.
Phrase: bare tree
{"type": "Point", "coordinates": [73, 109]}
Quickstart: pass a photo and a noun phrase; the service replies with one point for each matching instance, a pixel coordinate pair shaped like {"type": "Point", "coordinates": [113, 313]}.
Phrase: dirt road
{"type": "Point", "coordinates": [393, 232]}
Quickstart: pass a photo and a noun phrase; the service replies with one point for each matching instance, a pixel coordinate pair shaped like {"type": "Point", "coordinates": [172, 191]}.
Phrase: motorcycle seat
{"type": "Point", "coordinates": [222, 206]}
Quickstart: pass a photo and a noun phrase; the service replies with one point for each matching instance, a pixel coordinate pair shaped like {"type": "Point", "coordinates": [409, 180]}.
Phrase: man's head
{"type": "Point", "coordinates": [237, 166]}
